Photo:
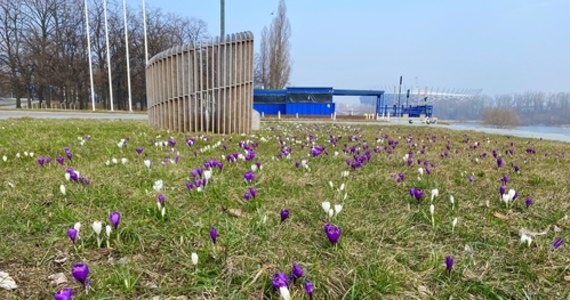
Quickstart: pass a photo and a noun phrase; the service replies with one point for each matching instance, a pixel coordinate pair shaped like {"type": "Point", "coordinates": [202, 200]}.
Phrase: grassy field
{"type": "Point", "coordinates": [390, 246]}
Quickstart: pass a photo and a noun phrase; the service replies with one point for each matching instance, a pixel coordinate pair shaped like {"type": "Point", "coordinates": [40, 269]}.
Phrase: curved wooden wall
{"type": "Point", "coordinates": [203, 87]}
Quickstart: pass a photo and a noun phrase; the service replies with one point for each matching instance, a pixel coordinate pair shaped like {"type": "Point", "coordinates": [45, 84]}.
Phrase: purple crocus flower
{"type": "Point", "coordinates": [557, 243]}
{"type": "Point", "coordinates": [284, 214]}
{"type": "Point", "coordinates": [309, 289]}
{"type": "Point", "coordinates": [72, 234]}
{"type": "Point", "coordinates": [253, 192]}
{"type": "Point", "coordinates": [60, 160]}
{"type": "Point", "coordinates": [161, 198]}
{"type": "Point", "coordinates": [516, 167]}
{"type": "Point", "coordinates": [449, 263]}
{"type": "Point", "coordinates": [333, 233]}
{"type": "Point", "coordinates": [296, 272]}
{"type": "Point", "coordinates": [69, 155]}
{"type": "Point", "coordinates": [528, 201]}
{"type": "Point", "coordinates": [418, 194]}
{"type": "Point", "coordinates": [139, 150]}
{"type": "Point", "coordinates": [249, 176]}
{"type": "Point", "coordinates": [502, 189]}
{"type": "Point", "coordinates": [213, 234]}
{"type": "Point", "coordinates": [115, 219]}
{"type": "Point", "coordinates": [246, 196]}
{"type": "Point", "coordinates": [470, 178]}
{"type": "Point", "coordinates": [41, 161]}
{"type": "Point", "coordinates": [505, 179]}
{"type": "Point", "coordinates": [412, 192]}
{"type": "Point", "coordinates": [63, 294]}
{"type": "Point", "coordinates": [279, 280]}
{"type": "Point", "coordinates": [80, 272]}
{"type": "Point", "coordinates": [500, 162]}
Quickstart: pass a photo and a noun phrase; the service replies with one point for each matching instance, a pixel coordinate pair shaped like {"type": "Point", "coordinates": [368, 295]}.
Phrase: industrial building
{"type": "Point", "coordinates": [318, 101]}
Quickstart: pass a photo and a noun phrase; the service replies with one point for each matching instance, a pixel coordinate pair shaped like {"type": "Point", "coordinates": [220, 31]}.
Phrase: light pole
{"type": "Point", "coordinates": [89, 55]}
{"type": "Point", "coordinates": [127, 53]}
{"type": "Point", "coordinates": [222, 18]}
{"type": "Point", "coordinates": [108, 56]}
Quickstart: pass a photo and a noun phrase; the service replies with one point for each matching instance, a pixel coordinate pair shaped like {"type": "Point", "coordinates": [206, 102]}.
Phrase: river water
{"type": "Point", "coordinates": [537, 131]}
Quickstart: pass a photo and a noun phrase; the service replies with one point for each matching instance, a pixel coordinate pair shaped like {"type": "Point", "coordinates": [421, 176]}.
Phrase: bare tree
{"type": "Point", "coordinates": [273, 62]}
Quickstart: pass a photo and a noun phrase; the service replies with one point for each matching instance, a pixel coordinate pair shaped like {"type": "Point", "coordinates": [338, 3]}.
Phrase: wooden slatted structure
{"type": "Point", "coordinates": [203, 87]}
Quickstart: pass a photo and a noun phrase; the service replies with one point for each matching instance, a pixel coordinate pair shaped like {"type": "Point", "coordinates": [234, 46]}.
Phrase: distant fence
{"type": "Point", "coordinates": [203, 87]}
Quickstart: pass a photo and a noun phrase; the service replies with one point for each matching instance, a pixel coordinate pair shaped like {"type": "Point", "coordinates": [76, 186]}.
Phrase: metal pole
{"type": "Point", "coordinates": [89, 55]}
{"type": "Point", "coordinates": [400, 90]}
{"type": "Point", "coordinates": [127, 53]}
{"type": "Point", "coordinates": [222, 18]}
{"type": "Point", "coordinates": [108, 55]}
{"type": "Point", "coordinates": [144, 29]}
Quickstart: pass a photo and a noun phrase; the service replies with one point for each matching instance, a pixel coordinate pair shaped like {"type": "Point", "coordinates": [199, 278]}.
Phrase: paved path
{"type": "Point", "coordinates": [7, 114]}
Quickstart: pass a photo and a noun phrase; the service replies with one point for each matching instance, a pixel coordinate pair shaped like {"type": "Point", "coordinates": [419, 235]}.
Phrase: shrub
{"type": "Point", "coordinates": [500, 117]}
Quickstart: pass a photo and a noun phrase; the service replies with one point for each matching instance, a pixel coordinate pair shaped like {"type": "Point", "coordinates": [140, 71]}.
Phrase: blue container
{"type": "Point", "coordinates": [270, 108]}
{"type": "Point", "coordinates": [310, 109]}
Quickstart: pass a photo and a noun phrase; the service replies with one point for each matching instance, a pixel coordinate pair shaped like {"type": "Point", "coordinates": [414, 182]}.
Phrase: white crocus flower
{"type": "Point", "coordinates": [331, 184]}
{"type": "Point", "coordinates": [331, 213]}
{"type": "Point", "coordinates": [326, 206]}
{"type": "Point", "coordinates": [284, 291]}
{"type": "Point", "coordinates": [4, 158]}
{"type": "Point", "coordinates": [77, 226]}
{"type": "Point", "coordinates": [406, 157]}
{"type": "Point", "coordinates": [253, 167]}
{"type": "Point", "coordinates": [108, 230]}
{"type": "Point", "coordinates": [526, 239]}
{"type": "Point", "coordinates": [147, 163]}
{"type": "Point", "coordinates": [67, 176]}
{"type": "Point", "coordinates": [108, 163]}
{"type": "Point", "coordinates": [25, 153]}
{"type": "Point", "coordinates": [114, 161]}
{"type": "Point", "coordinates": [337, 209]}
{"type": "Point", "coordinates": [342, 186]}
{"type": "Point", "coordinates": [31, 154]}
{"type": "Point", "coordinates": [452, 201]}
{"type": "Point", "coordinates": [453, 224]}
{"type": "Point", "coordinates": [163, 211]}
{"type": "Point", "coordinates": [158, 185]}
{"type": "Point", "coordinates": [97, 227]}
{"type": "Point", "coordinates": [18, 155]}
{"type": "Point", "coordinates": [434, 193]}
{"type": "Point", "coordinates": [335, 153]}
{"type": "Point", "coordinates": [208, 174]}
{"type": "Point", "coordinates": [62, 189]}
{"type": "Point", "coordinates": [194, 258]}
{"type": "Point", "coordinates": [421, 171]}
{"type": "Point", "coordinates": [124, 161]}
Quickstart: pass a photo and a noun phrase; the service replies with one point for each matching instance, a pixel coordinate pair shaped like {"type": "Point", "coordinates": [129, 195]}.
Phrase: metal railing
{"type": "Point", "coordinates": [203, 87]}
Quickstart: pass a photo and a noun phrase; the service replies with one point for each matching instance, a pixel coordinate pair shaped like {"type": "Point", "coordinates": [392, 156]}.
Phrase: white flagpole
{"type": "Point", "coordinates": [127, 52]}
{"type": "Point", "coordinates": [89, 55]}
{"type": "Point", "coordinates": [108, 55]}
{"type": "Point", "coordinates": [144, 28]}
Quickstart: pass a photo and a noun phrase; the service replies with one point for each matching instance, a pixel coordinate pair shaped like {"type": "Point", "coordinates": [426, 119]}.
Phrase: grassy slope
{"type": "Point", "coordinates": [388, 248]}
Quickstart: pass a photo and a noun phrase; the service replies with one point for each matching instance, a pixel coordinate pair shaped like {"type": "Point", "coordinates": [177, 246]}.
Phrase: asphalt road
{"type": "Point", "coordinates": [7, 114]}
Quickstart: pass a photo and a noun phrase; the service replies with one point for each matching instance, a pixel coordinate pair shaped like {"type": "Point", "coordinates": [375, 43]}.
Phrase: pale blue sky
{"type": "Point", "coordinates": [500, 46]}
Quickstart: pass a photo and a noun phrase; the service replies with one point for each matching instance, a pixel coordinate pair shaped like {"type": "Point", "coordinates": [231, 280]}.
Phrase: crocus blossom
{"type": "Point", "coordinates": [63, 294]}
{"type": "Point", "coordinates": [214, 234]}
{"type": "Point", "coordinates": [284, 214]}
{"type": "Point", "coordinates": [526, 239]}
{"type": "Point", "coordinates": [449, 263]}
{"type": "Point", "coordinates": [296, 271]}
{"type": "Point", "coordinates": [528, 201]}
{"type": "Point", "coordinates": [326, 206]}
{"type": "Point", "coordinates": [194, 258]}
{"type": "Point", "coordinates": [557, 243]}
{"type": "Point", "coordinates": [72, 234]}
{"type": "Point", "coordinates": [280, 283]}
{"type": "Point", "coordinates": [309, 289]}
{"type": "Point", "coordinates": [333, 233]}
{"type": "Point", "coordinates": [115, 218]}
{"type": "Point", "coordinates": [80, 272]}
